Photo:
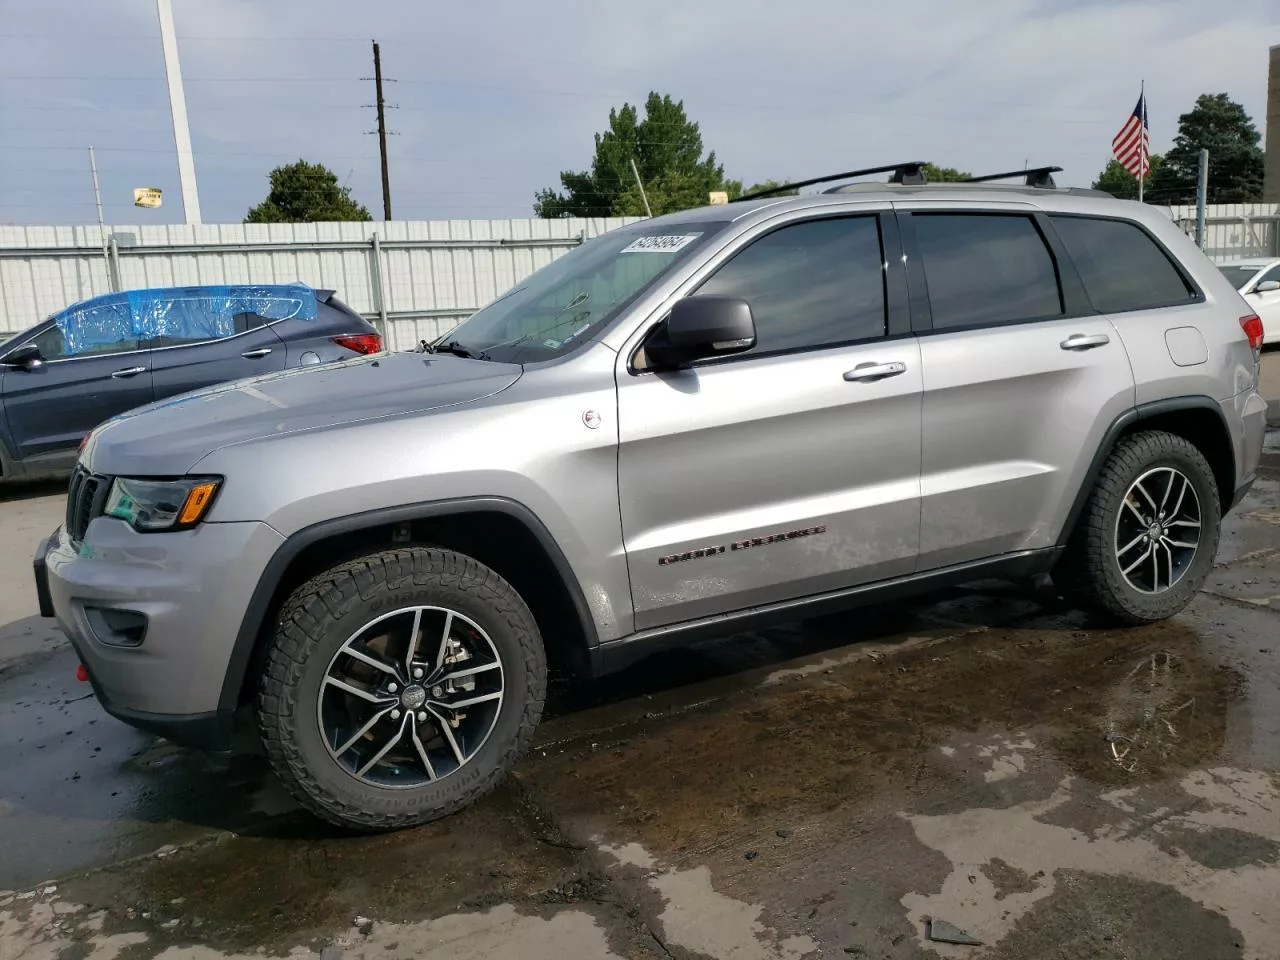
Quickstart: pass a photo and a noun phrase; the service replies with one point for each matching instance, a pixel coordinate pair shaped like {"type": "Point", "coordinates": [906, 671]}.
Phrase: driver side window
{"type": "Point", "coordinates": [52, 344]}
{"type": "Point", "coordinates": [810, 285]}
{"type": "Point", "coordinates": [96, 328]}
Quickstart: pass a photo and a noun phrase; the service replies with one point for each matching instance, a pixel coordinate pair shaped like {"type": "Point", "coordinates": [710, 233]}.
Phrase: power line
{"type": "Point", "coordinates": [1038, 116]}
{"type": "Point", "coordinates": [1037, 106]}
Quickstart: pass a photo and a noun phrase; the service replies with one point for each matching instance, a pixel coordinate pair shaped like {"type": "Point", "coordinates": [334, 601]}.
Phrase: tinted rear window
{"type": "Point", "coordinates": [985, 269]}
{"type": "Point", "coordinates": [1121, 266]}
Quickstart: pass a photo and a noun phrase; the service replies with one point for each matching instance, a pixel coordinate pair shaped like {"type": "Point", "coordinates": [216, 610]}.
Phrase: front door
{"type": "Point", "coordinates": [80, 382]}
{"type": "Point", "coordinates": [789, 470]}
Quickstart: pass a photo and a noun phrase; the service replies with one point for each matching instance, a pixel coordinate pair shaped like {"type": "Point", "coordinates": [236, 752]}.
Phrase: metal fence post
{"type": "Point", "coordinates": [379, 298]}
{"type": "Point", "coordinates": [114, 264]}
{"type": "Point", "coordinates": [1202, 194]}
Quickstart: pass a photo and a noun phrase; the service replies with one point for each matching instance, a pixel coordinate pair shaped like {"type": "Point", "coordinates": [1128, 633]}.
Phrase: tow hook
{"type": "Point", "coordinates": [82, 673]}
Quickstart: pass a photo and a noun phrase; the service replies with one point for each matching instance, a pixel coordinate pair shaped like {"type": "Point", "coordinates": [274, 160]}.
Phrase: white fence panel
{"type": "Point", "coordinates": [433, 273]}
{"type": "Point", "coordinates": [1235, 229]}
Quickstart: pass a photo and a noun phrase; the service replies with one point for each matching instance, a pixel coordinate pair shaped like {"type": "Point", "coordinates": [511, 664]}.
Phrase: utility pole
{"type": "Point", "coordinates": [644, 197]}
{"type": "Point", "coordinates": [102, 223]}
{"type": "Point", "coordinates": [178, 107]}
{"type": "Point", "coordinates": [382, 132]}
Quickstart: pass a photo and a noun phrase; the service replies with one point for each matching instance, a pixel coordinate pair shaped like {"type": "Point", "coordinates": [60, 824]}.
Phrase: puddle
{"type": "Point", "coordinates": [1156, 714]}
{"type": "Point", "coordinates": [824, 741]}
{"type": "Point", "coordinates": [1131, 861]}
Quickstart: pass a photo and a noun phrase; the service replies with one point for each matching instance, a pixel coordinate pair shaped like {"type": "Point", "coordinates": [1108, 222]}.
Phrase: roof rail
{"type": "Point", "coordinates": [909, 172]}
{"type": "Point", "coordinates": [1034, 177]}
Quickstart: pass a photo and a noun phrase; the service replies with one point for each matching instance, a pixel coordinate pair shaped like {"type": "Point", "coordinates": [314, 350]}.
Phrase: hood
{"type": "Point", "coordinates": [168, 437]}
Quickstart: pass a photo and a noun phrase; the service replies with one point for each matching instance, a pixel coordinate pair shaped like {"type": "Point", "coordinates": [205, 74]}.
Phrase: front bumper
{"type": "Point", "coordinates": [188, 590]}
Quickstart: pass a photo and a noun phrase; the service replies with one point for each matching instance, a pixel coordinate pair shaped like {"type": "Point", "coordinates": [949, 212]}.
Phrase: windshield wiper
{"type": "Point", "coordinates": [457, 349]}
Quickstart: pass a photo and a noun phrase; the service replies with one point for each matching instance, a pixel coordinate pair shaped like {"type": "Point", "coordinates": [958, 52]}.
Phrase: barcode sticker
{"type": "Point", "coordinates": [660, 244]}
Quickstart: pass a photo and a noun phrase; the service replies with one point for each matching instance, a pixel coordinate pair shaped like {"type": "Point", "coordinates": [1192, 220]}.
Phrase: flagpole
{"type": "Point", "coordinates": [1142, 140]}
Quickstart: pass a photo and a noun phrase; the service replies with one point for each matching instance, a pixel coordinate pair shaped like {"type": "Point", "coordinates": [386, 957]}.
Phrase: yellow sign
{"type": "Point", "coordinates": [146, 197]}
{"type": "Point", "coordinates": [719, 197]}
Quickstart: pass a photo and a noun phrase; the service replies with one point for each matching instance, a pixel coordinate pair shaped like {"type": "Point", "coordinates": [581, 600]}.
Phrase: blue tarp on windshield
{"type": "Point", "coordinates": [186, 313]}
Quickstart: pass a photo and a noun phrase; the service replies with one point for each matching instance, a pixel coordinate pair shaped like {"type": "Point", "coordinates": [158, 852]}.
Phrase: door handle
{"type": "Point", "coordinates": [1085, 341]}
{"type": "Point", "coordinates": [869, 372]}
{"type": "Point", "coordinates": [128, 372]}
{"type": "Point", "coordinates": [255, 354]}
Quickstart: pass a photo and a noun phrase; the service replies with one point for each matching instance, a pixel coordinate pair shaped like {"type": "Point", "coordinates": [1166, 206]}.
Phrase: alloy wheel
{"type": "Point", "coordinates": [1157, 530]}
{"type": "Point", "coordinates": [410, 697]}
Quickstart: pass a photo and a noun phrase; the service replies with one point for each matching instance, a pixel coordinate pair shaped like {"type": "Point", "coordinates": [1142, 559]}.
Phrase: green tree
{"type": "Point", "coordinates": [936, 174]}
{"type": "Point", "coordinates": [1221, 126]}
{"type": "Point", "coordinates": [305, 192]}
{"type": "Point", "coordinates": [1120, 183]}
{"type": "Point", "coordinates": [667, 148]}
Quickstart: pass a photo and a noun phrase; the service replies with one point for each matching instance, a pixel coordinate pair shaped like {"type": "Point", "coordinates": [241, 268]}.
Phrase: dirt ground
{"type": "Point", "coordinates": [982, 760]}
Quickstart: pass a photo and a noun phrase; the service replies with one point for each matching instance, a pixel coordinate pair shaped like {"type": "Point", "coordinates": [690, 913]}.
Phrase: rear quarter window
{"type": "Point", "coordinates": [1122, 267]}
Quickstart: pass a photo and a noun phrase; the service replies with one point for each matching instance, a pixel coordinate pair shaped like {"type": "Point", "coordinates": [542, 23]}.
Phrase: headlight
{"type": "Point", "coordinates": [150, 505]}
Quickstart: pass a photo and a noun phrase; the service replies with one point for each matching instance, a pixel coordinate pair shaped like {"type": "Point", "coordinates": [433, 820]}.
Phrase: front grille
{"type": "Point", "coordinates": [86, 499]}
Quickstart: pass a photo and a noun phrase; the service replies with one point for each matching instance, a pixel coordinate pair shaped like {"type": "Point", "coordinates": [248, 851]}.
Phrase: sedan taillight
{"type": "Point", "coordinates": [360, 342]}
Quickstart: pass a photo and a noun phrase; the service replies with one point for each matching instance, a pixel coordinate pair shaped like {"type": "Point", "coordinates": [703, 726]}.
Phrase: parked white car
{"type": "Point", "coordinates": [1259, 282]}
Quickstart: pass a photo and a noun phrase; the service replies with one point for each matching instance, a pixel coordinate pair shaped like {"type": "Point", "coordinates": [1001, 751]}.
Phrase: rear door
{"type": "Point", "coordinates": [1021, 378]}
{"type": "Point", "coordinates": [188, 359]}
{"type": "Point", "coordinates": [790, 470]}
{"type": "Point", "coordinates": [88, 374]}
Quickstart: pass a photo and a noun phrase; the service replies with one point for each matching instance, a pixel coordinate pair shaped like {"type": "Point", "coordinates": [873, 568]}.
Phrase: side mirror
{"type": "Point", "coordinates": [701, 327]}
{"type": "Point", "coordinates": [25, 357]}
{"type": "Point", "coordinates": [1267, 286]}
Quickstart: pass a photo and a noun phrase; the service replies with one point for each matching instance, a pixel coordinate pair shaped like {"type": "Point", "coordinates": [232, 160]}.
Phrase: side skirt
{"type": "Point", "coordinates": [617, 654]}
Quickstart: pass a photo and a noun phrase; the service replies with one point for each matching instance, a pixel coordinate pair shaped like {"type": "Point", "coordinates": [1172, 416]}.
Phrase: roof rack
{"type": "Point", "coordinates": [1034, 177]}
{"type": "Point", "coordinates": [910, 172]}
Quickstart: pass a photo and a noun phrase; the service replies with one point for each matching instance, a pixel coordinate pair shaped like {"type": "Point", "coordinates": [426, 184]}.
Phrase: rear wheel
{"type": "Point", "coordinates": [400, 688]}
{"type": "Point", "coordinates": [1149, 533]}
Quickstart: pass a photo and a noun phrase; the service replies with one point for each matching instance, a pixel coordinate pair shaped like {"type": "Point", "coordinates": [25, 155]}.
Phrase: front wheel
{"type": "Point", "coordinates": [1146, 541]}
{"type": "Point", "coordinates": [400, 687]}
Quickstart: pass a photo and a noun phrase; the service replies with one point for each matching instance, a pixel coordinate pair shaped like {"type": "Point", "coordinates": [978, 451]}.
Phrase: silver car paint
{"type": "Point", "coordinates": [528, 443]}
{"type": "Point", "coordinates": [194, 587]}
{"type": "Point", "coordinates": [797, 446]}
{"type": "Point", "coordinates": [995, 428]}
{"type": "Point", "coordinates": [166, 437]}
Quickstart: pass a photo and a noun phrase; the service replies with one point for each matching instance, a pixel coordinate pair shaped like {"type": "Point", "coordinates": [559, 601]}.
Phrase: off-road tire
{"type": "Point", "coordinates": [1089, 574]}
{"type": "Point", "coordinates": [323, 613]}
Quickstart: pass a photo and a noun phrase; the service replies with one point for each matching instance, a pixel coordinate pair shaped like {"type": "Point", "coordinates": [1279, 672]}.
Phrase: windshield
{"type": "Point", "coordinates": [570, 300]}
{"type": "Point", "coordinates": [1239, 276]}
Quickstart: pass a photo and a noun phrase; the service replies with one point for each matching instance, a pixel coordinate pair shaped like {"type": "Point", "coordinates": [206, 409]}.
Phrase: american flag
{"type": "Point", "coordinates": [1132, 145]}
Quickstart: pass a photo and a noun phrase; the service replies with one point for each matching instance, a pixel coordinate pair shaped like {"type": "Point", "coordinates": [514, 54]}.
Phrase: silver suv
{"type": "Point", "coordinates": [693, 424]}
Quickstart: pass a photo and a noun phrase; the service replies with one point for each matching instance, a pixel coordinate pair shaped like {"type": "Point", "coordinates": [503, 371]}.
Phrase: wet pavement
{"type": "Point", "coordinates": [982, 758]}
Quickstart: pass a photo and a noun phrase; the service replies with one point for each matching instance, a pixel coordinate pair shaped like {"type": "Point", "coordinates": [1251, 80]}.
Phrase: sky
{"type": "Point", "coordinates": [494, 98]}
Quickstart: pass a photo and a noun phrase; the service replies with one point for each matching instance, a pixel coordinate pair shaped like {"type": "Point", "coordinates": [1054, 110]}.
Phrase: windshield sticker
{"type": "Point", "coordinates": [660, 244]}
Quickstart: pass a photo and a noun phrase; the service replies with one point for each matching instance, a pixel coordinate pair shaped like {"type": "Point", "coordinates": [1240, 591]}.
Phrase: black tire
{"type": "Point", "coordinates": [322, 614]}
{"type": "Point", "coordinates": [1089, 573]}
